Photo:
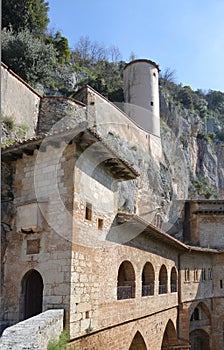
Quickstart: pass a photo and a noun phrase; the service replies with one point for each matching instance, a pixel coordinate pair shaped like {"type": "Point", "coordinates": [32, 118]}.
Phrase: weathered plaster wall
{"type": "Point", "coordinates": [195, 286]}
{"type": "Point", "coordinates": [141, 94]}
{"type": "Point", "coordinates": [19, 101]}
{"type": "Point", "coordinates": [211, 231]}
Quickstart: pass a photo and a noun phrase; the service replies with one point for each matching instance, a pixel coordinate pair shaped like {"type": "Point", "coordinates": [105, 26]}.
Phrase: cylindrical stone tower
{"type": "Point", "coordinates": [141, 94]}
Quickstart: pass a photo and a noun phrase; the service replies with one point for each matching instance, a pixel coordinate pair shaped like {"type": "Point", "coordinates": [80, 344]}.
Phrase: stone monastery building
{"type": "Point", "coordinates": [70, 242]}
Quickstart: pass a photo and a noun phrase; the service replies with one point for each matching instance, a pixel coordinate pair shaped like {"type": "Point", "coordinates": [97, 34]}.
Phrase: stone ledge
{"type": "Point", "coordinates": [33, 333]}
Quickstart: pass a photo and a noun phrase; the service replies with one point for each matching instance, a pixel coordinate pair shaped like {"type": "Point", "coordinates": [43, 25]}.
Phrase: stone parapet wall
{"type": "Point", "coordinates": [33, 333]}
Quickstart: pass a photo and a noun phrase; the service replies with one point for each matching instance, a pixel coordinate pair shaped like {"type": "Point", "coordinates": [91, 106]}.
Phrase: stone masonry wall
{"type": "Point", "coordinates": [120, 337]}
{"type": "Point", "coordinates": [94, 303]}
{"type": "Point", "coordinates": [54, 109]}
{"type": "Point", "coordinates": [34, 187]}
{"type": "Point", "coordinates": [34, 333]}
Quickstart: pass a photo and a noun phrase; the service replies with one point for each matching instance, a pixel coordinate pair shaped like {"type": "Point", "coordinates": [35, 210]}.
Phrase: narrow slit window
{"type": "Point", "coordinates": [100, 224]}
{"type": "Point", "coordinates": [187, 275]}
{"type": "Point", "coordinates": [195, 275]}
{"type": "Point", "coordinates": [88, 213]}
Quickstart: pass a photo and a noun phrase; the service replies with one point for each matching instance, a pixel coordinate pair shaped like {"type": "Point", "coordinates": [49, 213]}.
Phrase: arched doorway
{"type": "Point", "coordinates": [138, 343]}
{"type": "Point", "coordinates": [32, 294]}
{"type": "Point", "coordinates": [169, 336]}
{"type": "Point", "coordinates": [199, 340]}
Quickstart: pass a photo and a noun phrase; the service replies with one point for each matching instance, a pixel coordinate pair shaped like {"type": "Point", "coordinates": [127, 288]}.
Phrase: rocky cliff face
{"type": "Point", "coordinates": [203, 152]}
{"type": "Point", "coordinates": [192, 168]}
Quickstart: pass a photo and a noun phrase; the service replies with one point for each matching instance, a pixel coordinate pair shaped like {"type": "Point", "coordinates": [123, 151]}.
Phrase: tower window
{"type": "Point", "coordinates": [88, 213]}
{"type": "Point", "coordinates": [221, 284]}
{"type": "Point", "coordinates": [100, 224]}
{"type": "Point", "coordinates": [151, 103]}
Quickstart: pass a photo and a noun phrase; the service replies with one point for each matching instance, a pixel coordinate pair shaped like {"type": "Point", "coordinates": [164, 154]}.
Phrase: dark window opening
{"type": "Point", "coordinates": [195, 275]}
{"type": "Point", "coordinates": [126, 281]}
{"type": "Point", "coordinates": [100, 224]}
{"type": "Point", "coordinates": [148, 277]}
{"type": "Point", "coordinates": [163, 280]}
{"type": "Point", "coordinates": [195, 315]}
{"type": "Point", "coordinates": [151, 103]}
{"type": "Point", "coordinates": [173, 280]}
{"type": "Point", "coordinates": [221, 284]}
{"type": "Point", "coordinates": [203, 274]}
{"type": "Point", "coordinates": [88, 214]}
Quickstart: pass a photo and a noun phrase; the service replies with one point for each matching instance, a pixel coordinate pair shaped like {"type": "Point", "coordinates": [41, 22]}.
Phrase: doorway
{"type": "Point", "coordinates": [32, 294]}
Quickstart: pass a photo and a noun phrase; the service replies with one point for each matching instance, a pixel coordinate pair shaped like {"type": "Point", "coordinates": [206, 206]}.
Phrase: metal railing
{"type": "Point", "coordinates": [173, 287]}
{"type": "Point", "coordinates": [147, 289]}
{"type": "Point", "coordinates": [162, 289]}
{"type": "Point", "coordinates": [125, 292]}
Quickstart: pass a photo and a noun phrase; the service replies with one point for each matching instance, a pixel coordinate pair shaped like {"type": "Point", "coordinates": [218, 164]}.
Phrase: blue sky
{"type": "Point", "coordinates": [186, 36]}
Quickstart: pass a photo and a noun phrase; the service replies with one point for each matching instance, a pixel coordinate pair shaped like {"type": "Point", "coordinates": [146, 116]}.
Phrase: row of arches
{"type": "Point", "coordinates": [126, 280]}
{"type": "Point", "coordinates": [169, 339]}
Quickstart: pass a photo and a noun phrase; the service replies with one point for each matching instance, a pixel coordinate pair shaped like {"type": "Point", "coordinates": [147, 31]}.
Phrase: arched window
{"type": "Point", "coordinates": [201, 312]}
{"type": "Point", "coordinates": [163, 280]}
{"type": "Point", "coordinates": [138, 343]}
{"type": "Point", "coordinates": [158, 221]}
{"type": "Point", "coordinates": [173, 280]}
{"type": "Point", "coordinates": [126, 281]}
{"type": "Point", "coordinates": [148, 277]}
{"type": "Point", "coordinates": [195, 315]}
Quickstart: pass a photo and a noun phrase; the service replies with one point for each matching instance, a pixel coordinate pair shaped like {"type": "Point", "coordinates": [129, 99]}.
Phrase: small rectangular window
{"type": "Point", "coordinates": [195, 275]}
{"type": "Point", "coordinates": [187, 275]}
{"type": "Point", "coordinates": [203, 274]}
{"type": "Point", "coordinates": [88, 213]}
{"type": "Point", "coordinates": [221, 284]}
{"type": "Point", "coordinates": [100, 224]}
{"type": "Point", "coordinates": [210, 273]}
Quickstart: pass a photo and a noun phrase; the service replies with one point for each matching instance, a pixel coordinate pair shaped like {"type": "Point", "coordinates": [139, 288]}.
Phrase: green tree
{"type": "Point", "coordinates": [29, 57]}
{"type": "Point", "coordinates": [215, 100]}
{"type": "Point", "coordinates": [25, 14]}
{"type": "Point", "coordinates": [60, 43]}
{"type": "Point", "coordinates": [185, 97]}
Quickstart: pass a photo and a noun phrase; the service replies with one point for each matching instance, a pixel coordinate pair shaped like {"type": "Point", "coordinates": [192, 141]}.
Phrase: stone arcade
{"type": "Point", "coordinates": [68, 243]}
